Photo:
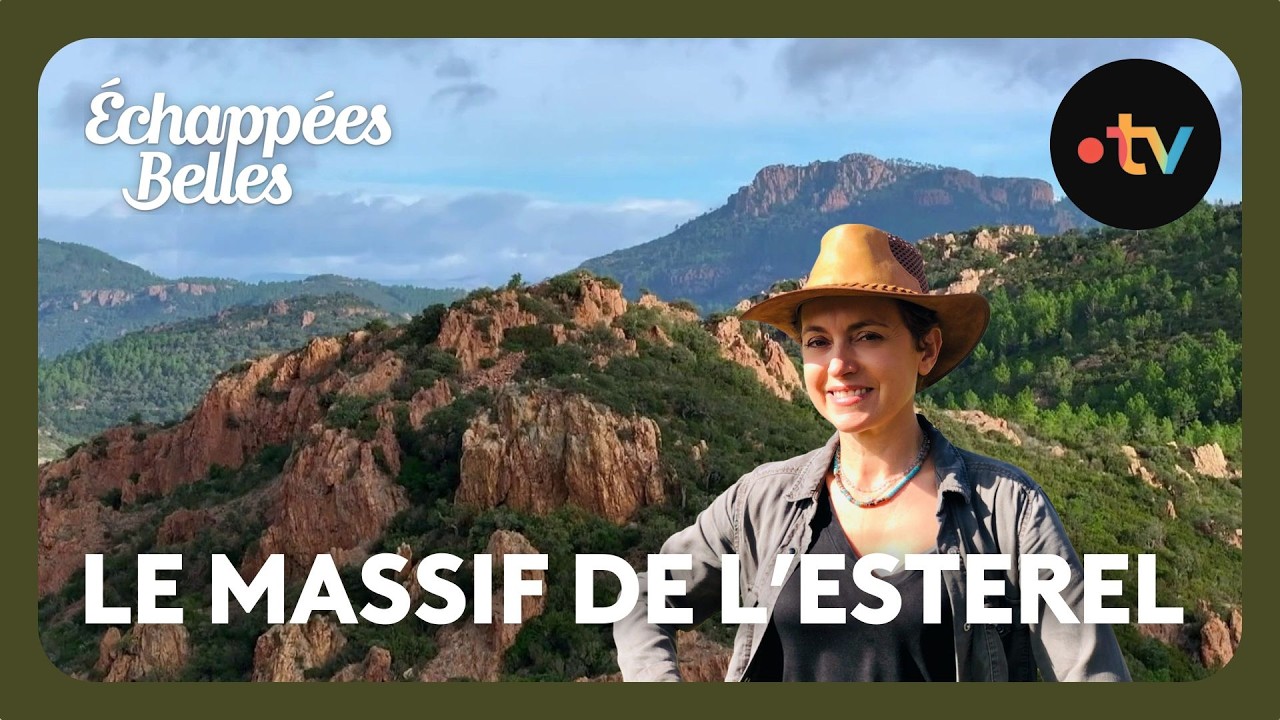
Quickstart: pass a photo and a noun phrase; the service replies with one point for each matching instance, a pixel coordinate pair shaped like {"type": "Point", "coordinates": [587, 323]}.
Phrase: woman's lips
{"type": "Point", "coordinates": [848, 396]}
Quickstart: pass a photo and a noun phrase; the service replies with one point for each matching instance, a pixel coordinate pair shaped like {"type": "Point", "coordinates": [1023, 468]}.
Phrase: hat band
{"type": "Point", "coordinates": [878, 287]}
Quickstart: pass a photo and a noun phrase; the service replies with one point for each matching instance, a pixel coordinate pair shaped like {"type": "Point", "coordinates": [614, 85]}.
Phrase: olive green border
{"type": "Point", "coordinates": [31, 33]}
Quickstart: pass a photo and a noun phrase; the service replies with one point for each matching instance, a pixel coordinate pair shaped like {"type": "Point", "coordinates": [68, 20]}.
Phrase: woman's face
{"type": "Point", "coordinates": [861, 362]}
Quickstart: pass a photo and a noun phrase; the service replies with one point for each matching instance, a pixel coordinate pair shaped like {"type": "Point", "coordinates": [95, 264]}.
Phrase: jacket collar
{"type": "Point", "coordinates": [946, 460]}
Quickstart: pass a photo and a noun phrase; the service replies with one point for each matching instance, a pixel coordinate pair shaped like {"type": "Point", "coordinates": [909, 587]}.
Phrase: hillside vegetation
{"type": "Point", "coordinates": [156, 375]}
{"type": "Point", "coordinates": [87, 296]}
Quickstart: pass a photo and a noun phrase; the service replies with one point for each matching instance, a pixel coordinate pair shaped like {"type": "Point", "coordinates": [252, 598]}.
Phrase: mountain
{"type": "Point", "coordinates": [86, 296]}
{"type": "Point", "coordinates": [562, 418]}
{"type": "Point", "coordinates": [71, 267]}
{"type": "Point", "coordinates": [156, 375]}
{"type": "Point", "coordinates": [770, 229]}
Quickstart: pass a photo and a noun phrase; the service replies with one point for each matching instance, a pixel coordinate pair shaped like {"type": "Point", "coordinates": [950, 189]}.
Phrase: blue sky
{"type": "Point", "coordinates": [533, 155]}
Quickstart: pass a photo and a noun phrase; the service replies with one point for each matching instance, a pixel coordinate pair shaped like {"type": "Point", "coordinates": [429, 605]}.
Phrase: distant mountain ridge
{"type": "Point", "coordinates": [86, 296]}
{"type": "Point", "coordinates": [770, 228]}
{"type": "Point", "coordinates": [156, 375]}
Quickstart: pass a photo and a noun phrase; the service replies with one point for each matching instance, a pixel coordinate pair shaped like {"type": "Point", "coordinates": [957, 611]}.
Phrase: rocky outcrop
{"type": "Point", "coordinates": [990, 239]}
{"type": "Point", "coordinates": [771, 365]}
{"type": "Point", "coordinates": [986, 423]}
{"type": "Point", "coordinates": [1209, 460]}
{"type": "Point", "coordinates": [476, 652]}
{"type": "Point", "coordinates": [597, 303]}
{"type": "Point", "coordinates": [428, 399]}
{"type": "Point", "coordinates": [182, 525]}
{"type": "Point", "coordinates": [969, 282]}
{"type": "Point", "coordinates": [825, 186]}
{"type": "Point", "coordinates": [475, 332]}
{"type": "Point", "coordinates": [1137, 469]}
{"type": "Point", "coordinates": [337, 494]}
{"type": "Point", "coordinates": [272, 401]}
{"type": "Point", "coordinates": [837, 185]}
{"type": "Point", "coordinates": [376, 667]}
{"type": "Point", "coordinates": [103, 298]}
{"type": "Point", "coordinates": [285, 652]}
{"type": "Point", "coordinates": [545, 449]}
{"type": "Point", "coordinates": [145, 652]}
{"type": "Point", "coordinates": [649, 300]}
{"type": "Point", "coordinates": [385, 371]}
{"type": "Point", "coordinates": [1218, 640]}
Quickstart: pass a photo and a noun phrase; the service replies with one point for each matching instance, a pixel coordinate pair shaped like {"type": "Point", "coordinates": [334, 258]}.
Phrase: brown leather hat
{"type": "Point", "coordinates": [860, 260]}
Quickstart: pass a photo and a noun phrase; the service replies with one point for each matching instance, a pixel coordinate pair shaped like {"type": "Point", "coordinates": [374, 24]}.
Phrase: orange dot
{"type": "Point", "coordinates": [1090, 150]}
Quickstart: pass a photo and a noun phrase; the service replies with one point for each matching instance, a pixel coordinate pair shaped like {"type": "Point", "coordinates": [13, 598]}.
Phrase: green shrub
{"type": "Point", "coordinates": [529, 338]}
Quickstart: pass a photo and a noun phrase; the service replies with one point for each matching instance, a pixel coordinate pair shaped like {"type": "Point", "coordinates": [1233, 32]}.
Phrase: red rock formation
{"type": "Point", "coordinates": [649, 300]}
{"type": "Point", "coordinates": [772, 366]}
{"type": "Point", "coordinates": [285, 652]}
{"type": "Point", "coordinates": [476, 652]}
{"type": "Point", "coordinates": [337, 493]}
{"type": "Point", "coordinates": [145, 652]}
{"type": "Point", "coordinates": [546, 449]}
{"type": "Point", "coordinates": [271, 402]}
{"type": "Point", "coordinates": [425, 400]}
{"type": "Point", "coordinates": [385, 370]}
{"type": "Point", "coordinates": [476, 331]}
{"type": "Point", "coordinates": [376, 667]}
{"type": "Point", "coordinates": [597, 303]}
{"type": "Point", "coordinates": [181, 525]}
{"type": "Point", "coordinates": [1216, 649]}
{"type": "Point", "coordinates": [833, 186]}
{"type": "Point", "coordinates": [825, 185]}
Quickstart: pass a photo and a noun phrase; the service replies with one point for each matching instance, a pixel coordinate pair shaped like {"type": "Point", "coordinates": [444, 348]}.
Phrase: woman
{"type": "Point", "coordinates": [887, 482]}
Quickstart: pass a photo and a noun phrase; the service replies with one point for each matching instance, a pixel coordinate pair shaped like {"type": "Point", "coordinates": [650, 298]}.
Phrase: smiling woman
{"type": "Point", "coordinates": [887, 482]}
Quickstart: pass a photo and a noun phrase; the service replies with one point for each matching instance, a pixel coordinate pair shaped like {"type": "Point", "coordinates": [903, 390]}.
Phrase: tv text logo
{"type": "Point", "coordinates": [1124, 132]}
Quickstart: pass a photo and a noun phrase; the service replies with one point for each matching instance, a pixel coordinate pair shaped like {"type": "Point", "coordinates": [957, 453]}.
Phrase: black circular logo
{"type": "Point", "coordinates": [1135, 144]}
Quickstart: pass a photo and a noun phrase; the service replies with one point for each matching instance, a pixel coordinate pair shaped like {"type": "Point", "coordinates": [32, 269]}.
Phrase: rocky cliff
{"type": "Point", "coordinates": [770, 228]}
{"type": "Point", "coordinates": [546, 449]}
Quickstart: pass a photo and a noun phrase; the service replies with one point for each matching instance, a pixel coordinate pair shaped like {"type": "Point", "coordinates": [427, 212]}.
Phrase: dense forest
{"type": "Point", "coordinates": [156, 375]}
{"type": "Point", "coordinates": [1139, 332]}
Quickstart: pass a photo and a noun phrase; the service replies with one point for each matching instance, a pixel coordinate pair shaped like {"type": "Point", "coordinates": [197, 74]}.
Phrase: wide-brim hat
{"type": "Point", "coordinates": [863, 261]}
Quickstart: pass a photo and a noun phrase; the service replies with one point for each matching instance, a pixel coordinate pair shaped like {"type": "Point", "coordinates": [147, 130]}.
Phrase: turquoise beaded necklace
{"type": "Point", "coordinates": [878, 497]}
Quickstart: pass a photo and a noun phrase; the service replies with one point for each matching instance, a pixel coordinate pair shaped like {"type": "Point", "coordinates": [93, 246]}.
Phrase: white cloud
{"type": "Point", "coordinates": [470, 240]}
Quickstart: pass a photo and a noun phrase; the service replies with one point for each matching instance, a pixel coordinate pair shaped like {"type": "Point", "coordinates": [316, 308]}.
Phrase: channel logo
{"type": "Point", "coordinates": [1124, 132]}
{"type": "Point", "coordinates": [1135, 144]}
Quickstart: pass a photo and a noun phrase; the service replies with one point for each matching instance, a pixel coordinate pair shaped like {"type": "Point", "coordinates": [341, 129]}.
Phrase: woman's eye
{"type": "Point", "coordinates": [815, 342]}
{"type": "Point", "coordinates": [869, 336]}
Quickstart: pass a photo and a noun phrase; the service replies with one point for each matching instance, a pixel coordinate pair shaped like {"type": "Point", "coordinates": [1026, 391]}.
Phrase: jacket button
{"type": "Point", "coordinates": [966, 627]}
{"type": "Point", "coordinates": [952, 551]}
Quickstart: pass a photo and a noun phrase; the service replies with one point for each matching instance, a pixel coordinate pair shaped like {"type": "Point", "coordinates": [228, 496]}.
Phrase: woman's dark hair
{"type": "Point", "coordinates": [918, 319]}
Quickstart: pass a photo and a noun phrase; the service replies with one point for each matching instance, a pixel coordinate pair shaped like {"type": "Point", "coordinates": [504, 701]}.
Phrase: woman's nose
{"type": "Point", "coordinates": [840, 364]}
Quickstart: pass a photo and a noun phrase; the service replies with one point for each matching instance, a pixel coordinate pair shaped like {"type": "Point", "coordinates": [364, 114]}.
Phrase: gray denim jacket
{"type": "Point", "coordinates": [984, 506]}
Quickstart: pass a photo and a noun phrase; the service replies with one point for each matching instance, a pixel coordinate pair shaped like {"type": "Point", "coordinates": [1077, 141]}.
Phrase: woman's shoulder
{"type": "Point", "coordinates": [986, 472]}
{"type": "Point", "coordinates": [784, 477]}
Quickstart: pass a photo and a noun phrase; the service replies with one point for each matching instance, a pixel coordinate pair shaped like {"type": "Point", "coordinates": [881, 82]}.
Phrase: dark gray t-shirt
{"type": "Point", "coordinates": [904, 649]}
